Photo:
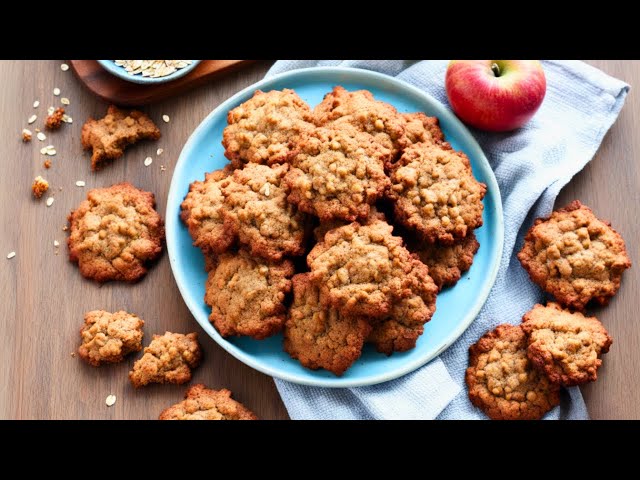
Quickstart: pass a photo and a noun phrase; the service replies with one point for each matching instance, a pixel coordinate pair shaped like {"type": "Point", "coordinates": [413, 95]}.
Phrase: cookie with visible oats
{"type": "Point", "coordinates": [109, 136]}
{"type": "Point", "coordinates": [364, 269]}
{"type": "Point", "coordinates": [247, 294]}
{"type": "Point", "coordinates": [566, 346]}
{"type": "Point", "coordinates": [320, 337]}
{"type": "Point", "coordinates": [575, 256]}
{"type": "Point", "coordinates": [320, 231]}
{"type": "Point", "coordinates": [419, 128]}
{"type": "Point", "coordinates": [265, 128]}
{"type": "Point", "coordinates": [338, 174]}
{"type": "Point", "coordinates": [109, 337]}
{"type": "Point", "coordinates": [446, 263]}
{"type": "Point", "coordinates": [54, 121]}
{"type": "Point", "coordinates": [202, 403]}
{"type": "Point", "coordinates": [115, 233]}
{"type": "Point", "coordinates": [435, 193]}
{"type": "Point", "coordinates": [169, 358]}
{"type": "Point", "coordinates": [501, 380]}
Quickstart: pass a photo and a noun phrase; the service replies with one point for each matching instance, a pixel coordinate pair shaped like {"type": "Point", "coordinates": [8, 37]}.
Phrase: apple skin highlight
{"type": "Point", "coordinates": [495, 95]}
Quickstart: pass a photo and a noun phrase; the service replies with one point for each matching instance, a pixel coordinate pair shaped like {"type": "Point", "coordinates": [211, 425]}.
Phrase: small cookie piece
{"type": "Point", "coordinates": [39, 186]}
{"type": "Point", "coordinates": [109, 136]}
{"type": "Point", "coordinates": [399, 332]}
{"type": "Point", "coordinates": [365, 113]}
{"type": "Point", "coordinates": [321, 337]}
{"type": "Point", "coordinates": [364, 269]}
{"type": "Point", "coordinates": [575, 256]}
{"type": "Point", "coordinates": [115, 233]}
{"type": "Point", "coordinates": [435, 193]}
{"type": "Point", "coordinates": [446, 263]}
{"type": "Point", "coordinates": [203, 404]}
{"type": "Point", "coordinates": [566, 346]}
{"type": "Point", "coordinates": [201, 211]}
{"type": "Point", "coordinates": [338, 173]}
{"type": "Point", "coordinates": [257, 211]}
{"type": "Point", "coordinates": [501, 380]}
{"type": "Point", "coordinates": [169, 358]}
{"type": "Point", "coordinates": [265, 128]}
{"type": "Point", "coordinates": [108, 337]}
{"type": "Point", "coordinates": [246, 295]}
{"type": "Point", "coordinates": [54, 121]}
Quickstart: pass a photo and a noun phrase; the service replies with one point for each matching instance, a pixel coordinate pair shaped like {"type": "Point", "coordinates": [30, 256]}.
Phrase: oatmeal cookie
{"type": "Point", "coordinates": [246, 295]}
{"type": "Point", "coordinates": [435, 193]}
{"type": "Point", "coordinates": [501, 380]}
{"type": "Point", "coordinates": [203, 404]}
{"type": "Point", "coordinates": [169, 358]}
{"type": "Point", "coordinates": [566, 346]}
{"type": "Point", "coordinates": [399, 332]}
{"type": "Point", "coordinates": [109, 136]}
{"type": "Point", "coordinates": [108, 337]}
{"type": "Point", "coordinates": [364, 269]}
{"type": "Point", "coordinates": [257, 211]}
{"type": "Point", "coordinates": [265, 128]}
{"type": "Point", "coordinates": [367, 114]}
{"type": "Point", "coordinates": [338, 173]}
{"type": "Point", "coordinates": [446, 263]}
{"type": "Point", "coordinates": [201, 211]}
{"type": "Point", "coordinates": [115, 233]}
{"type": "Point", "coordinates": [320, 231]}
{"type": "Point", "coordinates": [575, 257]}
{"type": "Point", "coordinates": [321, 337]}
{"type": "Point", "coordinates": [419, 128]}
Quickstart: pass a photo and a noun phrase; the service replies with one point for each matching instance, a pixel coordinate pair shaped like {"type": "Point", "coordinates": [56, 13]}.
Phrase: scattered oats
{"type": "Point", "coordinates": [11, 255]}
{"type": "Point", "coordinates": [111, 400]}
{"type": "Point", "coordinates": [64, 67]}
{"type": "Point", "coordinates": [43, 150]}
{"type": "Point", "coordinates": [36, 104]}
{"type": "Point", "coordinates": [163, 168]}
{"type": "Point", "coordinates": [47, 164]}
{"type": "Point", "coordinates": [48, 150]}
{"type": "Point", "coordinates": [148, 161]}
{"type": "Point", "coordinates": [56, 91]}
{"type": "Point", "coordinates": [65, 101]}
{"type": "Point", "coordinates": [159, 151]}
{"type": "Point", "coordinates": [32, 119]}
{"type": "Point", "coordinates": [80, 183]}
{"type": "Point", "coordinates": [67, 119]}
{"type": "Point", "coordinates": [56, 243]}
{"type": "Point", "coordinates": [65, 228]}
{"type": "Point", "coordinates": [50, 110]}
{"type": "Point", "coordinates": [26, 135]}
{"type": "Point", "coordinates": [73, 354]}
{"type": "Point", "coordinates": [49, 201]}
{"type": "Point", "coordinates": [41, 136]}
{"type": "Point", "coordinates": [166, 118]}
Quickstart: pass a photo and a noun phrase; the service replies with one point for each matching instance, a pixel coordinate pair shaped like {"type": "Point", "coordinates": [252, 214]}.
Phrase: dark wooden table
{"type": "Point", "coordinates": [44, 297]}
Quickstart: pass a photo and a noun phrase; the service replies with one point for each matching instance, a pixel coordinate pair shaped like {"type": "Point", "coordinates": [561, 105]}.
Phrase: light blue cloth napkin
{"type": "Point", "coordinates": [532, 165]}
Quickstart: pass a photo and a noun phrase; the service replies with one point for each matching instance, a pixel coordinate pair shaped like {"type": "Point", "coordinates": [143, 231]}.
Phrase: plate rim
{"type": "Point", "coordinates": [172, 224]}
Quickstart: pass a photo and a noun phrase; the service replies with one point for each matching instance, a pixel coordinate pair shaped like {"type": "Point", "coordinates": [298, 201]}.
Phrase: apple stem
{"type": "Point", "coordinates": [496, 69]}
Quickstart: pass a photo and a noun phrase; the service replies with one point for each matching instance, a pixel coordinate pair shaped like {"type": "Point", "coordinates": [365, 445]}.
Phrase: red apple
{"type": "Point", "coordinates": [495, 95]}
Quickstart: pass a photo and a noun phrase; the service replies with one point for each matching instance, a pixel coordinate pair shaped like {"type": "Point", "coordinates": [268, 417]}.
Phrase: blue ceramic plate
{"type": "Point", "coordinates": [111, 67]}
{"type": "Point", "coordinates": [456, 307]}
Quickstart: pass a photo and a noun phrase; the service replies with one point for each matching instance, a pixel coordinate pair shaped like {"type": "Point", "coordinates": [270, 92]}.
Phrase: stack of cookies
{"type": "Point", "coordinates": [515, 372]}
{"type": "Point", "coordinates": [315, 184]}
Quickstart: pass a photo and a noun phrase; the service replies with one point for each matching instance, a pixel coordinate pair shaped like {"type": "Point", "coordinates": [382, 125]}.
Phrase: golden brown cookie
{"type": "Point", "coordinates": [364, 269]}
{"type": "Point", "coordinates": [169, 358]}
{"type": "Point", "coordinates": [321, 337]}
{"type": "Point", "coordinates": [257, 211]}
{"type": "Point", "coordinates": [575, 256]}
{"type": "Point", "coordinates": [108, 337]}
{"type": "Point", "coordinates": [446, 263]}
{"type": "Point", "coordinates": [320, 231]}
{"type": "Point", "coordinates": [360, 109]}
{"type": "Point", "coordinates": [115, 233]}
{"type": "Point", "coordinates": [338, 173]}
{"type": "Point", "coordinates": [435, 193]}
{"type": "Point", "coordinates": [265, 128]}
{"type": "Point", "coordinates": [501, 380]}
{"type": "Point", "coordinates": [565, 346]}
{"type": "Point", "coordinates": [201, 211]}
{"type": "Point", "coordinates": [203, 404]}
{"type": "Point", "coordinates": [399, 331]}
{"type": "Point", "coordinates": [246, 294]}
{"type": "Point", "coordinates": [109, 136]}
{"type": "Point", "coordinates": [54, 121]}
{"type": "Point", "coordinates": [419, 128]}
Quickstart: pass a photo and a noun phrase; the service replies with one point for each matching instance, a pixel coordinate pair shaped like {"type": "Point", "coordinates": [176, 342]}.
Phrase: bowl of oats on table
{"type": "Point", "coordinates": [149, 71]}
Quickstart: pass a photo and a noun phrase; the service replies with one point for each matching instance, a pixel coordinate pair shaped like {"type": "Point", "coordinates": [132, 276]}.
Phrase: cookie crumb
{"type": "Point", "coordinates": [26, 135]}
{"type": "Point", "coordinates": [47, 164]}
{"type": "Point", "coordinates": [11, 255]}
{"type": "Point", "coordinates": [110, 401]}
{"type": "Point", "coordinates": [163, 168]}
{"type": "Point", "coordinates": [65, 228]}
{"type": "Point", "coordinates": [73, 354]}
{"type": "Point", "coordinates": [40, 185]}
{"type": "Point", "coordinates": [54, 120]}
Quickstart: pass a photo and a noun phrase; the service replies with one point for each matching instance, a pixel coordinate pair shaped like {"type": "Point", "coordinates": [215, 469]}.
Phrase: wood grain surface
{"type": "Point", "coordinates": [44, 297]}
